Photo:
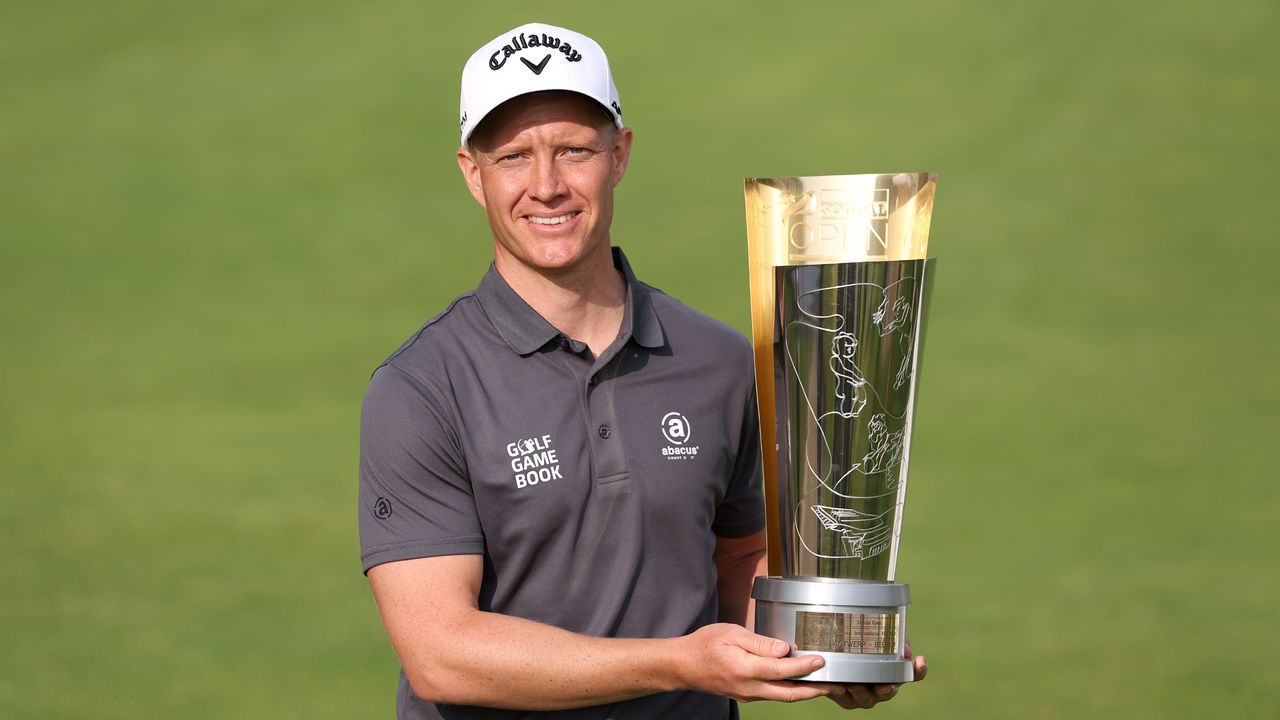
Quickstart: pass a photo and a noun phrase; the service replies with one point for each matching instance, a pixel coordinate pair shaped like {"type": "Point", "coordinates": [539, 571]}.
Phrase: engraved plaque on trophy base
{"type": "Point", "coordinates": [858, 627]}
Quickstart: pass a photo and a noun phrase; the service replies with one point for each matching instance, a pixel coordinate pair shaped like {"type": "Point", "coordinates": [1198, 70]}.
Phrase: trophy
{"type": "Point", "coordinates": [839, 287]}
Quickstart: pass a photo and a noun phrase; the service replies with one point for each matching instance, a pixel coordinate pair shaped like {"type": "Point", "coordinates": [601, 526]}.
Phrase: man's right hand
{"type": "Point", "coordinates": [729, 660]}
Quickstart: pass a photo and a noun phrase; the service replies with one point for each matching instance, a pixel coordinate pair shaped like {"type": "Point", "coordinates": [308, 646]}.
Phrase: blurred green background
{"type": "Point", "coordinates": [218, 217]}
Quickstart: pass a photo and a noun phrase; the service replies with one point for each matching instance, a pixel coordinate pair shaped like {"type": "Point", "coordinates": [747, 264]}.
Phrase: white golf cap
{"type": "Point", "coordinates": [533, 58]}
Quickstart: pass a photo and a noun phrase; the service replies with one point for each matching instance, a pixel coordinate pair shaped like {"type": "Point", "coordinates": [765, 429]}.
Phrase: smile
{"type": "Point", "coordinates": [557, 220]}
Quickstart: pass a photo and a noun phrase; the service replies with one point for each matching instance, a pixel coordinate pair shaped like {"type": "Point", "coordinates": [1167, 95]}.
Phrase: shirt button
{"type": "Point", "coordinates": [605, 432]}
{"type": "Point", "coordinates": [564, 343]}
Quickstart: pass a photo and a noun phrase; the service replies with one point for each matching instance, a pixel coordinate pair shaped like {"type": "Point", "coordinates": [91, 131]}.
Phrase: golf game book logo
{"type": "Point", "coordinates": [534, 461]}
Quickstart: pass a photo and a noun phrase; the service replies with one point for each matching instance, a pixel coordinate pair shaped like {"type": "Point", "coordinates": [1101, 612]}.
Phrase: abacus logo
{"type": "Point", "coordinates": [676, 429]}
{"type": "Point", "coordinates": [382, 508]}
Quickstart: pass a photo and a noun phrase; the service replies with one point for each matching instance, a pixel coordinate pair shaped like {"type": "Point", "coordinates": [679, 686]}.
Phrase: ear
{"type": "Point", "coordinates": [621, 153]}
{"type": "Point", "coordinates": [470, 167]}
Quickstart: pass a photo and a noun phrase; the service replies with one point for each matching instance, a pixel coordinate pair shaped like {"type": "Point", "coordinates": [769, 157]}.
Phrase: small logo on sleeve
{"type": "Point", "coordinates": [382, 508]}
{"type": "Point", "coordinates": [677, 431]}
{"type": "Point", "coordinates": [534, 461]}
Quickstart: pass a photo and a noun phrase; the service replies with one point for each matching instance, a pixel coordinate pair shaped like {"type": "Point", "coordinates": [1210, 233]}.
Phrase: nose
{"type": "Point", "coordinates": [547, 184]}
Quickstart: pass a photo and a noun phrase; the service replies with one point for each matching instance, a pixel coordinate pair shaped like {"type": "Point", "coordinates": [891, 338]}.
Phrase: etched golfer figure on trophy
{"type": "Point", "coordinates": [839, 289]}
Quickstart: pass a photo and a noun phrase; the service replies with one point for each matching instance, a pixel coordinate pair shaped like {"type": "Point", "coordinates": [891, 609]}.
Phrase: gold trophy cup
{"type": "Point", "coordinates": [839, 288]}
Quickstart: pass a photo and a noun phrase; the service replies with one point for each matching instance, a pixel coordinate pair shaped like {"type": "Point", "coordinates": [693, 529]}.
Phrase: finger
{"type": "Point", "coordinates": [763, 646]}
{"type": "Point", "coordinates": [921, 667]}
{"type": "Point", "coordinates": [856, 696]}
{"type": "Point", "coordinates": [786, 668]}
{"type": "Point", "coordinates": [788, 692]}
{"type": "Point", "coordinates": [884, 692]}
{"type": "Point", "coordinates": [839, 694]}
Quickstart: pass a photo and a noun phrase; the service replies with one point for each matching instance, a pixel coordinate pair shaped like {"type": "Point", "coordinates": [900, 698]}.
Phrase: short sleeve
{"type": "Point", "coordinates": [415, 494]}
{"type": "Point", "coordinates": [741, 512]}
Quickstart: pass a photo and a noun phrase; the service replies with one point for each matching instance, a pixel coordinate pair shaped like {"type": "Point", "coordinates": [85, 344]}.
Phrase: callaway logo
{"type": "Point", "coordinates": [524, 42]}
{"type": "Point", "coordinates": [675, 428]}
{"type": "Point", "coordinates": [537, 69]}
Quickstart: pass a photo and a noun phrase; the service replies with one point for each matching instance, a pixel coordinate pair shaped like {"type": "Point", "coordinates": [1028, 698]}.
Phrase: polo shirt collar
{"type": "Point", "coordinates": [525, 331]}
{"type": "Point", "coordinates": [641, 319]}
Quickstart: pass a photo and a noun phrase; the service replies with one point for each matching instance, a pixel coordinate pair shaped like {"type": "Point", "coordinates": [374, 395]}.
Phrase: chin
{"type": "Point", "coordinates": [553, 254]}
{"type": "Point", "coordinates": [558, 261]}
{"type": "Point", "coordinates": [560, 255]}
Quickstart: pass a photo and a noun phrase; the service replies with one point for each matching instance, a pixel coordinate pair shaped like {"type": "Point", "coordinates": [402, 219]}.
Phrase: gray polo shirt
{"type": "Point", "coordinates": [594, 487]}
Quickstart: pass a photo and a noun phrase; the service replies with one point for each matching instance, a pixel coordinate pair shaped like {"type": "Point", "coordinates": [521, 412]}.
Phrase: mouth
{"type": "Point", "coordinates": [552, 220]}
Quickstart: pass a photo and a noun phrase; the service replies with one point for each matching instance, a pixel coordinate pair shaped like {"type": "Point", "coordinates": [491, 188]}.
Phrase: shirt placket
{"type": "Point", "coordinates": [603, 429]}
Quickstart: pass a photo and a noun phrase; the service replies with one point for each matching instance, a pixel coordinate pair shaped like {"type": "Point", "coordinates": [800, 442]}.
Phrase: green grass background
{"type": "Point", "coordinates": [217, 217]}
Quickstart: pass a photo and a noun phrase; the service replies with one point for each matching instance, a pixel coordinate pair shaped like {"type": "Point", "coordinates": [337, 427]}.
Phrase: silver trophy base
{"type": "Point", "coordinates": [858, 626]}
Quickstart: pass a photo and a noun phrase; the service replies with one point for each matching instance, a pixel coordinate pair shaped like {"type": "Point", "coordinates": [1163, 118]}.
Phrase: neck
{"type": "Point", "coordinates": [585, 302]}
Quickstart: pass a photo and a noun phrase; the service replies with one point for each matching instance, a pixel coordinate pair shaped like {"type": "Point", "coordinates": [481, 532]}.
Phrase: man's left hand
{"type": "Point", "coordinates": [866, 696]}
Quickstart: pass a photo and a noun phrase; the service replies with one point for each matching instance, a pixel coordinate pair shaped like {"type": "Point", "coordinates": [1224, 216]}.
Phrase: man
{"type": "Point", "coordinates": [559, 473]}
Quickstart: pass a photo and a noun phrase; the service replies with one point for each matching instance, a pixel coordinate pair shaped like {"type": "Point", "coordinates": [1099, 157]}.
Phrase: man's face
{"type": "Point", "coordinates": [544, 168]}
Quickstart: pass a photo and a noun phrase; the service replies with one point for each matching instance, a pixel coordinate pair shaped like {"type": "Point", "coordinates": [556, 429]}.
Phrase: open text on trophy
{"type": "Point", "coordinates": [840, 284]}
